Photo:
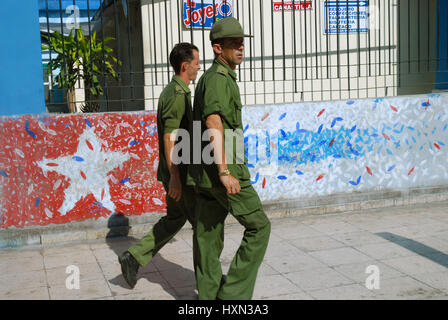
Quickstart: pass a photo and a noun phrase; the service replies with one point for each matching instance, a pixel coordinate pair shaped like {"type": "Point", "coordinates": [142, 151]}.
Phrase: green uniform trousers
{"type": "Point", "coordinates": [165, 229]}
{"type": "Point", "coordinates": [212, 207]}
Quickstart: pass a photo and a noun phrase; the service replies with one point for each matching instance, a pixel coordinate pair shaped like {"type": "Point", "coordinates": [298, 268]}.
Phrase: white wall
{"type": "Point", "coordinates": [370, 79]}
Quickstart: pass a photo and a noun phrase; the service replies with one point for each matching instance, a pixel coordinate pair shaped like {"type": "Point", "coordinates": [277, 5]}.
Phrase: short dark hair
{"type": "Point", "coordinates": [182, 52]}
{"type": "Point", "coordinates": [219, 41]}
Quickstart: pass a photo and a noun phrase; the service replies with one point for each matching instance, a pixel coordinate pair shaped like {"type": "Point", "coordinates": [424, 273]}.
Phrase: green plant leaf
{"type": "Point", "coordinates": [77, 51]}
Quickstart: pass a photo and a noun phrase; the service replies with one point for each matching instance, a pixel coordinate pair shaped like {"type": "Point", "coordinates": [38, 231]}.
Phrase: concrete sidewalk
{"type": "Point", "coordinates": [313, 257]}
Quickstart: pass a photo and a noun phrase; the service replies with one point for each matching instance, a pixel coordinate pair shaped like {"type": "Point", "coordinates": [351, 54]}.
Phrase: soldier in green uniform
{"type": "Point", "coordinates": [224, 186]}
{"type": "Point", "coordinates": [174, 111]}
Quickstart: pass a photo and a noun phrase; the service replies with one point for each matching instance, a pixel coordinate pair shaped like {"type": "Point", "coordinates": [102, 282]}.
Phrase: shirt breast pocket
{"type": "Point", "coordinates": [237, 115]}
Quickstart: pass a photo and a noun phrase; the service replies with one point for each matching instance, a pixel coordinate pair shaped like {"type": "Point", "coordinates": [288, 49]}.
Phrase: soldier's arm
{"type": "Point", "coordinates": [169, 142]}
{"type": "Point", "coordinates": [214, 123]}
{"type": "Point", "coordinates": [172, 117]}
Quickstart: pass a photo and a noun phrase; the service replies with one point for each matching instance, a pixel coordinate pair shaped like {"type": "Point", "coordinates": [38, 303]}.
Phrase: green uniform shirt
{"type": "Point", "coordinates": [217, 93]}
{"type": "Point", "coordinates": [173, 112]}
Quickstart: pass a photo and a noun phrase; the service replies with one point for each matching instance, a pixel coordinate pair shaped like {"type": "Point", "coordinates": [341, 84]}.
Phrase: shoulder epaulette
{"type": "Point", "coordinates": [178, 89]}
{"type": "Point", "coordinates": [222, 70]}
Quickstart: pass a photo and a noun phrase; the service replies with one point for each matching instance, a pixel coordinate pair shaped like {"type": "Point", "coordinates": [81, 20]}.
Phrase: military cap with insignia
{"type": "Point", "coordinates": [227, 28]}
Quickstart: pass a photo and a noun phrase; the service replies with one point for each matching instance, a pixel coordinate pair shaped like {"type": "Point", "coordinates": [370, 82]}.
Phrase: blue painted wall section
{"type": "Point", "coordinates": [316, 149]}
{"type": "Point", "coordinates": [442, 46]}
{"type": "Point", "coordinates": [21, 75]}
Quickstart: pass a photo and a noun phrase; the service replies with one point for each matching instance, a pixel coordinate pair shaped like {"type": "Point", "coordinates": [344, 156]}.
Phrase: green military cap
{"type": "Point", "coordinates": [227, 28]}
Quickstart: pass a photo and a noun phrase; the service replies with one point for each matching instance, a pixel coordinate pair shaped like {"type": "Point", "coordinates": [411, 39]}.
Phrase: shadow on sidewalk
{"type": "Point", "coordinates": [119, 241]}
{"type": "Point", "coordinates": [417, 247]}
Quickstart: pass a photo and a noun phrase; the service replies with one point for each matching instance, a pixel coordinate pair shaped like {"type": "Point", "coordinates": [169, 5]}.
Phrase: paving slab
{"type": "Point", "coordinates": [438, 280]}
{"type": "Point", "coordinates": [266, 270]}
{"type": "Point", "coordinates": [105, 255]}
{"type": "Point", "coordinates": [229, 250]}
{"type": "Point", "coordinates": [15, 253]}
{"type": "Point", "coordinates": [110, 268]}
{"type": "Point", "coordinates": [293, 263]}
{"type": "Point", "coordinates": [429, 244]}
{"type": "Point", "coordinates": [418, 231]}
{"type": "Point", "coordinates": [347, 292]}
{"type": "Point", "coordinates": [340, 256]}
{"type": "Point", "coordinates": [150, 295]}
{"type": "Point", "coordinates": [357, 238]}
{"type": "Point", "coordinates": [378, 224]}
{"type": "Point", "coordinates": [186, 293]}
{"type": "Point", "coordinates": [295, 231]}
{"type": "Point", "coordinates": [385, 250]}
{"type": "Point", "coordinates": [405, 288]}
{"type": "Point", "coordinates": [177, 261]}
{"type": "Point", "coordinates": [273, 286]}
{"type": "Point", "coordinates": [359, 272]}
{"type": "Point", "coordinates": [152, 283]}
{"type": "Point", "coordinates": [35, 293]}
{"type": "Point", "coordinates": [11, 282]}
{"type": "Point", "coordinates": [308, 257]}
{"type": "Point", "coordinates": [88, 289]}
{"type": "Point", "coordinates": [292, 296]}
{"type": "Point", "coordinates": [69, 258]}
{"type": "Point", "coordinates": [176, 245]}
{"type": "Point", "coordinates": [282, 248]}
{"type": "Point", "coordinates": [87, 272]}
{"type": "Point", "coordinates": [320, 278]}
{"type": "Point", "coordinates": [330, 228]}
{"type": "Point", "coordinates": [61, 249]}
{"type": "Point", "coordinates": [18, 265]}
{"type": "Point", "coordinates": [415, 265]}
{"type": "Point", "coordinates": [316, 243]}
{"type": "Point", "coordinates": [181, 277]}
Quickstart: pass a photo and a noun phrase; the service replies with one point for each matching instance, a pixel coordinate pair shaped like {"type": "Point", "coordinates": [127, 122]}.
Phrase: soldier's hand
{"type": "Point", "coordinates": [175, 188]}
{"type": "Point", "coordinates": [231, 184]}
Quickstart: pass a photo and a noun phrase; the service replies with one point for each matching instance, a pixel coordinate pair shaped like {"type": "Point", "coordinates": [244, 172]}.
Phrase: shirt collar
{"type": "Point", "coordinates": [231, 72]}
{"type": "Point", "coordinates": [181, 82]}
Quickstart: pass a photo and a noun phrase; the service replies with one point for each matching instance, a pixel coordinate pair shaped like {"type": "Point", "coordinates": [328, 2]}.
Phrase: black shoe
{"type": "Point", "coordinates": [129, 268]}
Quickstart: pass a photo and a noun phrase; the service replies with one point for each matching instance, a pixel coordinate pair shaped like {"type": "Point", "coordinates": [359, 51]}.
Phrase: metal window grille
{"type": "Point", "coordinates": [307, 50]}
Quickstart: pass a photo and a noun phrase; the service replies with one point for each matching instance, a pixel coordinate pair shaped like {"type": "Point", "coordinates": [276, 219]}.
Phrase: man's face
{"type": "Point", "coordinates": [232, 50]}
{"type": "Point", "coordinates": [193, 67]}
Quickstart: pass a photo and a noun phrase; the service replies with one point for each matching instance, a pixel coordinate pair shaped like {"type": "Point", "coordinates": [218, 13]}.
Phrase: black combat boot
{"type": "Point", "coordinates": [129, 268]}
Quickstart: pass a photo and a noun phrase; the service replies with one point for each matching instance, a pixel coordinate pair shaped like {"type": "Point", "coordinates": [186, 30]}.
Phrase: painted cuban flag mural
{"type": "Point", "coordinates": [60, 169]}
{"type": "Point", "coordinates": [64, 168]}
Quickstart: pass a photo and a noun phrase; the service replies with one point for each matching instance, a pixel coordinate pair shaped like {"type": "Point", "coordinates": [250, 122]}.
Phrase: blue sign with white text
{"type": "Point", "coordinates": [345, 16]}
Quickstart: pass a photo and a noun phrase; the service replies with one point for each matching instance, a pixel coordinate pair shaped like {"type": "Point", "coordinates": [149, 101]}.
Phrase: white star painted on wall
{"type": "Point", "coordinates": [87, 170]}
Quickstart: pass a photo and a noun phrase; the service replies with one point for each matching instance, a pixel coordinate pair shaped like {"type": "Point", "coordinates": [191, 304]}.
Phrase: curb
{"type": "Point", "coordinates": [119, 225]}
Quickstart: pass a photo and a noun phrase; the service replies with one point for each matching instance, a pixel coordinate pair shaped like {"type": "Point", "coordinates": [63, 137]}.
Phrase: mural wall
{"type": "Point", "coordinates": [315, 149]}
{"type": "Point", "coordinates": [59, 169]}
